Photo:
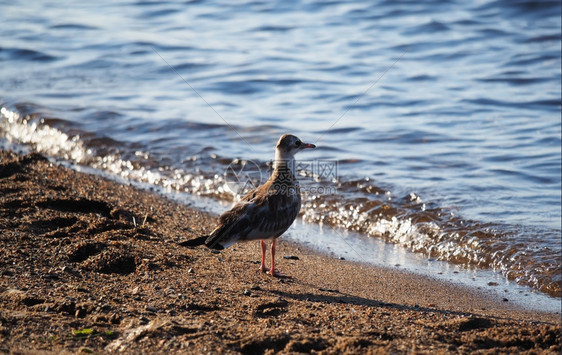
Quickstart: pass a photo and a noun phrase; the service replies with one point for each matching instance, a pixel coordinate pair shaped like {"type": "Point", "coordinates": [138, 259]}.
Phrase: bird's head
{"type": "Point", "coordinates": [289, 145]}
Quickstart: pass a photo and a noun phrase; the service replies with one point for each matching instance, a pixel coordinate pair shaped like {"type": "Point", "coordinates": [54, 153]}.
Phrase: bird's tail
{"type": "Point", "coordinates": [195, 242]}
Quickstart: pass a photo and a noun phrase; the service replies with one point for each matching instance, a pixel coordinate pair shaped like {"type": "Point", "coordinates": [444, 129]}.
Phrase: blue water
{"type": "Point", "coordinates": [443, 117]}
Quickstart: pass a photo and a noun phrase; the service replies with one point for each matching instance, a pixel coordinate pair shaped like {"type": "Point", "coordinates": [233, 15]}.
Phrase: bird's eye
{"type": "Point", "coordinates": [298, 143]}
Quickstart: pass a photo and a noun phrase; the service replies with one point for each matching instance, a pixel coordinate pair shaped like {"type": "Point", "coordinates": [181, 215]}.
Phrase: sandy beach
{"type": "Point", "coordinates": [90, 265]}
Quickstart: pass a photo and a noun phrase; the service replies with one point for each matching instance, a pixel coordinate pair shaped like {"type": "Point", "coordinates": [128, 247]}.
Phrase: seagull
{"type": "Point", "coordinates": [265, 212]}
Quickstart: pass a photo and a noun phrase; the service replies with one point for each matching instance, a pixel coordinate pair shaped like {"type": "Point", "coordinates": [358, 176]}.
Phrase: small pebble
{"type": "Point", "coordinates": [80, 313]}
{"type": "Point", "coordinates": [151, 309]}
{"type": "Point", "coordinates": [291, 257]}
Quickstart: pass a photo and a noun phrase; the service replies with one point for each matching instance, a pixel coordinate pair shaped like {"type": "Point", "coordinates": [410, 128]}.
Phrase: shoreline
{"type": "Point", "coordinates": [380, 254]}
{"type": "Point", "coordinates": [411, 289]}
{"type": "Point", "coordinates": [83, 253]}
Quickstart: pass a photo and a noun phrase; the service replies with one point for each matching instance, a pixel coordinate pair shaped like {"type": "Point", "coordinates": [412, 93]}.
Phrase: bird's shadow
{"type": "Point", "coordinates": [343, 298]}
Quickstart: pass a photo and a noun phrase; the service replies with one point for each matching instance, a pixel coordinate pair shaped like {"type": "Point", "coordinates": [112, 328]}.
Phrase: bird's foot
{"type": "Point", "coordinates": [274, 273]}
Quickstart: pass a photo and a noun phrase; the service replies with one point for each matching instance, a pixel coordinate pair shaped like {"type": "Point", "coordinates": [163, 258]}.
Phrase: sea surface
{"type": "Point", "coordinates": [438, 123]}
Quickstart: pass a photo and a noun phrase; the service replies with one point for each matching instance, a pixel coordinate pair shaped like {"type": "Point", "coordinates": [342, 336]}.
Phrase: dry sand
{"type": "Point", "coordinates": [90, 265]}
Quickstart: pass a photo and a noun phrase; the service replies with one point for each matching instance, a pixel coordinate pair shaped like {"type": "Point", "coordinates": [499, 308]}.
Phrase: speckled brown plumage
{"type": "Point", "coordinates": [265, 212]}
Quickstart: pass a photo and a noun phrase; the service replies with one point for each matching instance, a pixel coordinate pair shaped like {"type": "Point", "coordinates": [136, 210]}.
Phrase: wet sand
{"type": "Point", "coordinates": [87, 264]}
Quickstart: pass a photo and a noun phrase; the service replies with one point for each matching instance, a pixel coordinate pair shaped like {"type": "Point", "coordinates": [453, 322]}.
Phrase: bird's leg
{"type": "Point", "coordinates": [263, 268]}
{"type": "Point", "coordinates": [274, 272]}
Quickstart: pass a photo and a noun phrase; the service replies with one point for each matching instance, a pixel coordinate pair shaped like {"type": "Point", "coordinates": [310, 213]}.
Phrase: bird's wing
{"type": "Point", "coordinates": [236, 223]}
{"type": "Point", "coordinates": [262, 213]}
{"type": "Point", "coordinates": [278, 214]}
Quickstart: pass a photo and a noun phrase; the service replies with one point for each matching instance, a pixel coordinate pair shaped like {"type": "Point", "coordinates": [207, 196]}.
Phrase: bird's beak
{"type": "Point", "coordinates": [307, 145]}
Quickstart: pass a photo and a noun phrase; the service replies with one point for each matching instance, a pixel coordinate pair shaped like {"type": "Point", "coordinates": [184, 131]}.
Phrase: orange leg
{"type": "Point", "coordinates": [263, 268]}
{"type": "Point", "coordinates": [274, 272]}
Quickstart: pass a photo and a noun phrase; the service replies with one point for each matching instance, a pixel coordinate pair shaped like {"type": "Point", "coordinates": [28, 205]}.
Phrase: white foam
{"type": "Point", "coordinates": [17, 130]}
{"type": "Point", "coordinates": [43, 138]}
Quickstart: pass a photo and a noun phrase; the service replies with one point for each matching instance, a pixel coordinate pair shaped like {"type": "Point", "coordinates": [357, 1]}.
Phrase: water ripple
{"type": "Point", "coordinates": [17, 54]}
